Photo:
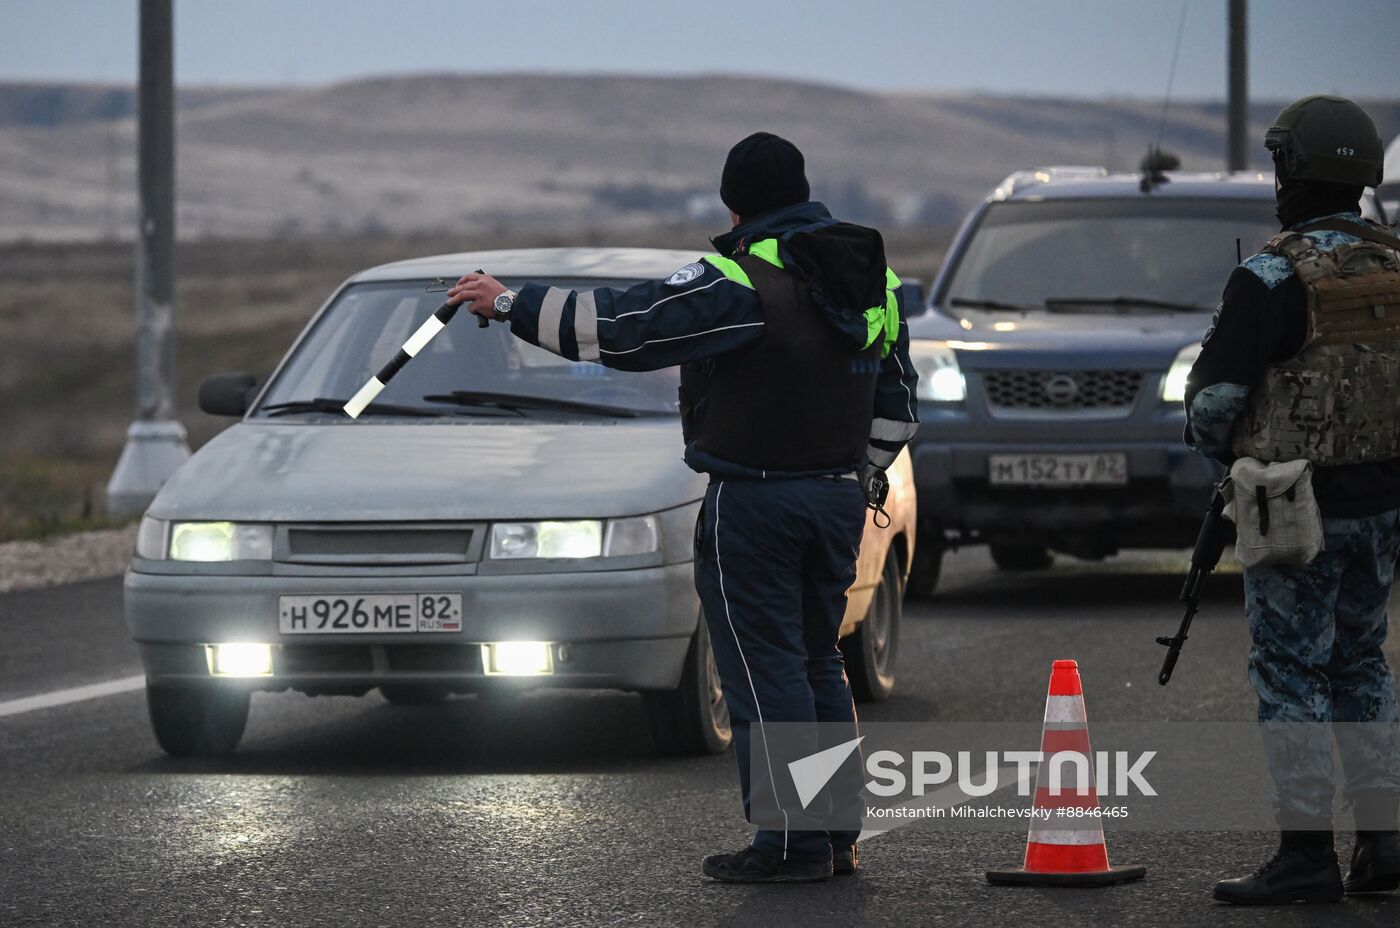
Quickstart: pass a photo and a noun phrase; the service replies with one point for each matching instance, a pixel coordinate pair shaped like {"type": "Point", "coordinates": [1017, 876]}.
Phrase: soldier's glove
{"type": "Point", "coordinates": [875, 484]}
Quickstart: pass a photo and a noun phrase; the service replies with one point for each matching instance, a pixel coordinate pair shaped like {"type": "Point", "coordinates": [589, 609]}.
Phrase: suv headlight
{"type": "Point", "coordinates": [940, 378]}
{"type": "Point", "coordinates": [207, 541]}
{"type": "Point", "coordinates": [1174, 384]}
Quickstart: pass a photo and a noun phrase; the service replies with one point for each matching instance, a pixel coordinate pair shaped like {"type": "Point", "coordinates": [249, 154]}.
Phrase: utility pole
{"type": "Point", "coordinates": [1237, 133]}
{"type": "Point", "coordinates": [155, 441]}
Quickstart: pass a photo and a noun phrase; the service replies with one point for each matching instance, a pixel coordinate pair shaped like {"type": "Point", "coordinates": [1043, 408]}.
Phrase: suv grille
{"type": "Point", "coordinates": [1062, 389]}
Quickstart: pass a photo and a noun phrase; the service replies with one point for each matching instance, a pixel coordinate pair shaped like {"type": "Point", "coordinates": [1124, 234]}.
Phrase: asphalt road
{"type": "Point", "coordinates": [551, 809]}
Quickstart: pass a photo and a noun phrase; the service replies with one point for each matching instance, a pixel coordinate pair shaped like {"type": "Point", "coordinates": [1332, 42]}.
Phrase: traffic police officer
{"type": "Point", "coordinates": [1277, 380]}
{"type": "Point", "coordinates": [796, 392]}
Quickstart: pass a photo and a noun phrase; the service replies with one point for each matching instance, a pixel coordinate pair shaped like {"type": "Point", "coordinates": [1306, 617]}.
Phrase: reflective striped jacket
{"type": "Point", "coordinates": [704, 310]}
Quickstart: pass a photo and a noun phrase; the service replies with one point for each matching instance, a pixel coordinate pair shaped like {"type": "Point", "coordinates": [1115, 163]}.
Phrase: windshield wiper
{"type": "Point", "coordinates": [516, 403]}
{"type": "Point", "coordinates": [962, 303]}
{"type": "Point", "coordinates": [1144, 301]}
{"type": "Point", "coordinates": [332, 405]}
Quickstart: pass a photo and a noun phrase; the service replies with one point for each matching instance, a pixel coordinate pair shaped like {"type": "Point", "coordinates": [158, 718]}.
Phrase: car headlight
{"type": "Point", "coordinates": [219, 541]}
{"type": "Point", "coordinates": [1174, 384]}
{"type": "Point", "coordinates": [150, 539]}
{"type": "Point", "coordinates": [576, 538]}
{"type": "Point", "coordinates": [638, 535]}
{"type": "Point", "coordinates": [940, 378]}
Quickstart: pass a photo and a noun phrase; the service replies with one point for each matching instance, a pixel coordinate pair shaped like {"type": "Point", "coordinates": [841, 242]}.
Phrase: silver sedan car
{"type": "Point", "coordinates": [301, 549]}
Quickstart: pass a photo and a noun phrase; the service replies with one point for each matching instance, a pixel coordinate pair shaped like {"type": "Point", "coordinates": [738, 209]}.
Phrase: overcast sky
{"type": "Point", "coordinates": [1091, 48]}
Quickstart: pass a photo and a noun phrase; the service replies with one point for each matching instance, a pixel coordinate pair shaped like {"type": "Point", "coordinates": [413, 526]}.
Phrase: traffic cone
{"type": "Point", "coordinates": [1057, 855]}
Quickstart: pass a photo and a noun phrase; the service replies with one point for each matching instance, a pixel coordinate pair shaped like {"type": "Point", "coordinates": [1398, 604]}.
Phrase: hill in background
{"type": "Point", "coordinates": [447, 152]}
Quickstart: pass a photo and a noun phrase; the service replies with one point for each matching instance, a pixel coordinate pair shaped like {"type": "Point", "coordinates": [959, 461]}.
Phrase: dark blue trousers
{"type": "Point", "coordinates": [773, 561]}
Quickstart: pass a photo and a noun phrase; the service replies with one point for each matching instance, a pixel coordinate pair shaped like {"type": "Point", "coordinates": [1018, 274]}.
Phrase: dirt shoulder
{"type": "Point", "coordinates": [30, 565]}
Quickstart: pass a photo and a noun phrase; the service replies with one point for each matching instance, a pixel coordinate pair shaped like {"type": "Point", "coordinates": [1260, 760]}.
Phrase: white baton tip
{"type": "Point", "coordinates": [363, 398]}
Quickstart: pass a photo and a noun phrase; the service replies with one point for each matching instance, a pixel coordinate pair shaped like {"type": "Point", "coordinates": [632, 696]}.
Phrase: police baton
{"type": "Point", "coordinates": [430, 327]}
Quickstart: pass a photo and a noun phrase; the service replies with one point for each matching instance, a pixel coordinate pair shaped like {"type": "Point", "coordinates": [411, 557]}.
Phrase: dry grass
{"type": "Point", "coordinates": [66, 322]}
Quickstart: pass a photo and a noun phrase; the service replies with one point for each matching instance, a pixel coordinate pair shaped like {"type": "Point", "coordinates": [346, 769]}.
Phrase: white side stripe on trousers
{"type": "Point", "coordinates": [745, 661]}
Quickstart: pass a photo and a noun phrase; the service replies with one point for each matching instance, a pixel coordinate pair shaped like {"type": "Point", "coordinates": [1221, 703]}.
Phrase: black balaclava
{"type": "Point", "coordinates": [1301, 200]}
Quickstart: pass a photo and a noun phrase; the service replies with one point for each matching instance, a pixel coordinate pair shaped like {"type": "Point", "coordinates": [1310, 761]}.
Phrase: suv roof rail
{"type": "Point", "coordinates": [1020, 180]}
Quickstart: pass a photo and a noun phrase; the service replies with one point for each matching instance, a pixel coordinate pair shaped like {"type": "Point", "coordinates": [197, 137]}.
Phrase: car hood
{"type": "Point", "coordinates": [996, 339]}
{"type": "Point", "coordinates": [439, 470]}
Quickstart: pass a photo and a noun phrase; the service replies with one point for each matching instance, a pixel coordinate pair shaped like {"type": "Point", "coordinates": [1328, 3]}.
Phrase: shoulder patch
{"type": "Point", "coordinates": [686, 274]}
{"type": "Point", "coordinates": [1271, 269]}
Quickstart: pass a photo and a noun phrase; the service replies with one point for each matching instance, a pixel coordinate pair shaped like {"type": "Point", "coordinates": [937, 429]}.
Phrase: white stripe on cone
{"type": "Point", "coordinates": [1076, 836]}
{"type": "Point", "coordinates": [1061, 709]}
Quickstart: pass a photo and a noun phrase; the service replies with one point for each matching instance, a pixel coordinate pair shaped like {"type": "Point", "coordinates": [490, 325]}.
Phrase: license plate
{"type": "Point", "coordinates": [378, 613]}
{"type": "Point", "coordinates": [1057, 470]}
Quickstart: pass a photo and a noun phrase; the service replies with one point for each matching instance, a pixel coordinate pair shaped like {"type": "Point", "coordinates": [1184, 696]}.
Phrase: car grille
{"type": "Point", "coordinates": [1052, 390]}
{"type": "Point", "coordinates": [325, 658]}
{"type": "Point", "coordinates": [348, 544]}
{"type": "Point", "coordinates": [310, 659]}
{"type": "Point", "coordinates": [434, 658]}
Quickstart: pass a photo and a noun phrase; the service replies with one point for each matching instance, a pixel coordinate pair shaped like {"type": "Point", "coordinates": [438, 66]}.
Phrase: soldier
{"type": "Point", "coordinates": [1303, 362]}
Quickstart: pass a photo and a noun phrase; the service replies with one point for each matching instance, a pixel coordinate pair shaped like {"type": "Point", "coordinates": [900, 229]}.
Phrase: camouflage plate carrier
{"type": "Point", "coordinates": [1338, 400]}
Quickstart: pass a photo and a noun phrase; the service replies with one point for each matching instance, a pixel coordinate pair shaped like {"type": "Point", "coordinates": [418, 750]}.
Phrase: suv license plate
{"type": "Point", "coordinates": [1057, 470]}
{"type": "Point", "coordinates": [377, 613]}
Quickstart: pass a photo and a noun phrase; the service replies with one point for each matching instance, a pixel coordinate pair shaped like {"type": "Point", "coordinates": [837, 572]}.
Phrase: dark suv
{"type": "Point", "coordinates": [1053, 357]}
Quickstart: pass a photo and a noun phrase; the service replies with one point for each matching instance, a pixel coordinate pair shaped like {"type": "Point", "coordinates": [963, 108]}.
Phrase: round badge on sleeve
{"type": "Point", "coordinates": [685, 275]}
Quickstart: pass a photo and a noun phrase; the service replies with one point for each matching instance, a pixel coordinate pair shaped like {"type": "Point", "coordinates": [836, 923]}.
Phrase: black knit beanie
{"type": "Point", "coordinates": [762, 173]}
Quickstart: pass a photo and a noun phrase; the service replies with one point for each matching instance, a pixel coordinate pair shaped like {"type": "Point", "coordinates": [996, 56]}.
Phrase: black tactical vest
{"type": "Point", "coordinates": [799, 399]}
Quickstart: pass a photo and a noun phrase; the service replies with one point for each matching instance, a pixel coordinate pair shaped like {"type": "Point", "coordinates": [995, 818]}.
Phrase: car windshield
{"type": "Point", "coordinates": [463, 371]}
{"type": "Point", "coordinates": [1106, 255]}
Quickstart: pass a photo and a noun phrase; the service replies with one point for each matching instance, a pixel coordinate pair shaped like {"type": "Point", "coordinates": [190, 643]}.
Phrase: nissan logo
{"type": "Point", "coordinates": [1061, 389]}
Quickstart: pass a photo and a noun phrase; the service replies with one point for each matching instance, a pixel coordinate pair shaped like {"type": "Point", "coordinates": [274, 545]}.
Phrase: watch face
{"type": "Point", "coordinates": [503, 302]}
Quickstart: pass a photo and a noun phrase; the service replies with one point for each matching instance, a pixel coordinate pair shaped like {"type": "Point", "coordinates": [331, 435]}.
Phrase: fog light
{"type": "Point", "coordinates": [240, 660]}
{"type": "Point", "coordinates": [518, 658]}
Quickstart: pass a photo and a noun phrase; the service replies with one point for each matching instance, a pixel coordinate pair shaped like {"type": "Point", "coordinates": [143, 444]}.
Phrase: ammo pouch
{"type": "Point", "coordinates": [1275, 513]}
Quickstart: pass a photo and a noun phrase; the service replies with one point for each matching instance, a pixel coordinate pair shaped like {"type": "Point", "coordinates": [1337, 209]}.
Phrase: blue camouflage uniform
{"type": "Point", "coordinates": [1317, 630]}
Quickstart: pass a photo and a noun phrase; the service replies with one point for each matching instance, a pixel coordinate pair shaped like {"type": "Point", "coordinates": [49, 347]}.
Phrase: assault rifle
{"type": "Point", "coordinates": [1210, 544]}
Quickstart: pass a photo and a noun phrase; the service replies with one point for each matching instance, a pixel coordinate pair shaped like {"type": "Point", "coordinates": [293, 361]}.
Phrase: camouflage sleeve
{"type": "Point", "coordinates": [1211, 418]}
{"type": "Point", "coordinates": [1257, 323]}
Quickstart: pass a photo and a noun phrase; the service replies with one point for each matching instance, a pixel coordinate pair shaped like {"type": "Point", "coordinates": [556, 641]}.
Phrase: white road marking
{"type": "Point", "coordinates": [76, 694]}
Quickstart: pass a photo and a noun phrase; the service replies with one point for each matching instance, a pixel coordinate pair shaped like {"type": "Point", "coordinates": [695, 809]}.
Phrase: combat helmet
{"type": "Point", "coordinates": [1327, 139]}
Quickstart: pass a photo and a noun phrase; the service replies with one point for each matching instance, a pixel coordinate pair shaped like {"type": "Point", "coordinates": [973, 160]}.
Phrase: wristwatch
{"type": "Point", "coordinates": [503, 304]}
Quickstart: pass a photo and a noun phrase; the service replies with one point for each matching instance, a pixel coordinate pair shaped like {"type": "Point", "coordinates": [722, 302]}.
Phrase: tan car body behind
{"type": "Point", "coordinates": [877, 542]}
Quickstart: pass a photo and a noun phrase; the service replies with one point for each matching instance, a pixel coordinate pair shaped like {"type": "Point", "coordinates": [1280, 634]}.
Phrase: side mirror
{"type": "Point", "coordinates": [227, 394]}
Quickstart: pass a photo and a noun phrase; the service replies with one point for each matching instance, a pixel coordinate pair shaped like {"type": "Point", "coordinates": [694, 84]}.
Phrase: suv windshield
{"type": "Point", "coordinates": [464, 371]}
{"type": "Point", "coordinates": [1106, 254]}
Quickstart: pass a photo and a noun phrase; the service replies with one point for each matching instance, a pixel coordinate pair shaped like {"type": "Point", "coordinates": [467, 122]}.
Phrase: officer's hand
{"type": "Point", "coordinates": [876, 485]}
{"type": "Point", "coordinates": [479, 292]}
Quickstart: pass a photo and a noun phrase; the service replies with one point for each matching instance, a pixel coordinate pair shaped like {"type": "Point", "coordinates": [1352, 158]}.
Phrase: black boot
{"type": "Point", "coordinates": [1375, 861]}
{"type": "Point", "coordinates": [1304, 869]}
{"type": "Point", "coordinates": [753, 866]}
{"type": "Point", "coordinates": [845, 861]}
